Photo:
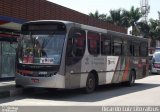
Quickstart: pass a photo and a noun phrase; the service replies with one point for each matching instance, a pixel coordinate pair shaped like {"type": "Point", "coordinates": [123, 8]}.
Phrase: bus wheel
{"type": "Point", "coordinates": [132, 77]}
{"type": "Point", "coordinates": [18, 86]}
{"type": "Point", "coordinates": [90, 84]}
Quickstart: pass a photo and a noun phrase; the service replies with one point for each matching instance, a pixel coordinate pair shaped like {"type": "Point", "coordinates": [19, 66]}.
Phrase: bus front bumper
{"type": "Point", "coordinates": [56, 81]}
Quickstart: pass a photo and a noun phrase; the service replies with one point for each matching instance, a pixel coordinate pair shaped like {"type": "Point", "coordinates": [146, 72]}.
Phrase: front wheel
{"type": "Point", "coordinates": [90, 84]}
{"type": "Point", "coordinates": [18, 86]}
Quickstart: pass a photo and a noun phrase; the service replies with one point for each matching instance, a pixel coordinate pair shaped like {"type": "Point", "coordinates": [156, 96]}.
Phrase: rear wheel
{"type": "Point", "coordinates": [90, 84]}
{"type": "Point", "coordinates": [132, 77]}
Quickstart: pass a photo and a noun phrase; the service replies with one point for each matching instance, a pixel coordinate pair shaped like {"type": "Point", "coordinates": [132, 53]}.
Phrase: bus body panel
{"type": "Point", "coordinates": [73, 73]}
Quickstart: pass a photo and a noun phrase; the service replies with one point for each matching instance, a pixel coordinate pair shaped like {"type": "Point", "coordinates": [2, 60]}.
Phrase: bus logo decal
{"type": "Point", "coordinates": [111, 62]}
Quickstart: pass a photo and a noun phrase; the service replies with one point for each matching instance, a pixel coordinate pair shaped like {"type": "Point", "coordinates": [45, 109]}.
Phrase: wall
{"type": "Point", "coordinates": [42, 9]}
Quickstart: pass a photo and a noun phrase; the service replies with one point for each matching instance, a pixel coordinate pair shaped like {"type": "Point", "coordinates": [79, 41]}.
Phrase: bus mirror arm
{"type": "Point", "coordinates": [76, 35]}
{"type": "Point", "coordinates": [11, 40]}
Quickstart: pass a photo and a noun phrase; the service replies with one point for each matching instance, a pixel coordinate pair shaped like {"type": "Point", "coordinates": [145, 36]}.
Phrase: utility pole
{"type": "Point", "coordinates": [159, 15]}
{"type": "Point", "coordinates": [145, 9]}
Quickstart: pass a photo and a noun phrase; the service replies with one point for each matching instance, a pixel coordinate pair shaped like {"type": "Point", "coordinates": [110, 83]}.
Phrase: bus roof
{"type": "Point", "coordinates": [92, 28]}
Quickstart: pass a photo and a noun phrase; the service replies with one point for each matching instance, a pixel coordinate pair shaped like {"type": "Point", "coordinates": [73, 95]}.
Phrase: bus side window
{"type": "Point", "coordinates": [69, 48]}
{"type": "Point", "coordinates": [76, 43]}
{"type": "Point", "coordinates": [117, 47]}
{"type": "Point", "coordinates": [124, 48]}
{"type": "Point", "coordinates": [105, 45]}
{"type": "Point", "coordinates": [143, 50]}
{"type": "Point", "coordinates": [136, 49]}
{"type": "Point", "coordinates": [93, 43]}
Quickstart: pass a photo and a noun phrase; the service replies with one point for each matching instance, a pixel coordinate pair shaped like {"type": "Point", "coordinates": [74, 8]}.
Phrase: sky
{"type": "Point", "coordinates": [104, 6]}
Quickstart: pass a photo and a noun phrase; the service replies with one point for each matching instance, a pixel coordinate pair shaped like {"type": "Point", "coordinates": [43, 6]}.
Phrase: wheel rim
{"type": "Point", "coordinates": [90, 83]}
{"type": "Point", "coordinates": [132, 78]}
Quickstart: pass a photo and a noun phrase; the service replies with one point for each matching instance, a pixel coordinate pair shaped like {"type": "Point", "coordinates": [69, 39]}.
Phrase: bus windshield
{"type": "Point", "coordinates": [40, 48]}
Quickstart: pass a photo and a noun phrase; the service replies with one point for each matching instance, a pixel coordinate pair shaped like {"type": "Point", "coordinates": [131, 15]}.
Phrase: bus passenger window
{"type": "Point", "coordinates": [93, 43]}
{"type": "Point", "coordinates": [69, 48]}
{"type": "Point", "coordinates": [76, 43]}
{"type": "Point", "coordinates": [117, 47]}
{"type": "Point", "coordinates": [143, 50]}
{"type": "Point", "coordinates": [135, 49]}
{"type": "Point", "coordinates": [105, 45]}
{"type": "Point", "coordinates": [124, 48]}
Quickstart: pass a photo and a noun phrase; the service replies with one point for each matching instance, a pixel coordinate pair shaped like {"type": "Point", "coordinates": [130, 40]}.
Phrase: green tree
{"type": "Point", "coordinates": [154, 32]}
{"type": "Point", "coordinates": [134, 16]}
{"type": "Point", "coordinates": [98, 16]}
{"type": "Point", "coordinates": [122, 17]}
{"type": "Point", "coordinates": [115, 17]}
{"type": "Point", "coordinates": [151, 30]}
{"type": "Point", "coordinates": [154, 28]}
{"type": "Point", "coordinates": [143, 29]}
{"type": "Point", "coordinates": [126, 18]}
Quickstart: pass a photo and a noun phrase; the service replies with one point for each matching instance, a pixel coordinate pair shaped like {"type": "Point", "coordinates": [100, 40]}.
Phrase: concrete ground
{"type": "Point", "coordinates": [7, 89]}
{"type": "Point", "coordinates": [146, 92]}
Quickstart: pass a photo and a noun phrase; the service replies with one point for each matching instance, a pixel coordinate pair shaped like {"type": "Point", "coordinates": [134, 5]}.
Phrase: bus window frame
{"type": "Point", "coordinates": [73, 39]}
{"type": "Point", "coordinates": [98, 46]}
{"type": "Point", "coordinates": [142, 46]}
{"type": "Point", "coordinates": [134, 45]}
{"type": "Point", "coordinates": [125, 48]}
{"type": "Point", "coordinates": [117, 40]}
{"type": "Point", "coordinates": [108, 38]}
{"type": "Point", "coordinates": [71, 58]}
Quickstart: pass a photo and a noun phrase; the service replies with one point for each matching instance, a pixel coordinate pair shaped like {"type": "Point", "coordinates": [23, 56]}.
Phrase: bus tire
{"type": "Point", "coordinates": [18, 86]}
{"type": "Point", "coordinates": [132, 78]}
{"type": "Point", "coordinates": [90, 83]}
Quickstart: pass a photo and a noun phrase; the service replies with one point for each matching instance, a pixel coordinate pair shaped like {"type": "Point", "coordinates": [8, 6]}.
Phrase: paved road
{"type": "Point", "coordinates": [145, 92]}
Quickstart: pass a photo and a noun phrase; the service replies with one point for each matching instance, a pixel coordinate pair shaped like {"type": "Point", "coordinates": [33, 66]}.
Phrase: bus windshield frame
{"type": "Point", "coordinates": [43, 46]}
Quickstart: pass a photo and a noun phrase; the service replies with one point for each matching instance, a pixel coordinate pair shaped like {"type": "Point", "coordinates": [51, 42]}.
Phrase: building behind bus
{"type": "Point", "coordinates": [15, 12]}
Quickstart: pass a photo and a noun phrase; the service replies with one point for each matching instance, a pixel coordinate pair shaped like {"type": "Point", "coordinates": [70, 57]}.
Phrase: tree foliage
{"type": "Point", "coordinates": [128, 18]}
{"type": "Point", "coordinates": [97, 15]}
{"type": "Point", "coordinates": [121, 17]}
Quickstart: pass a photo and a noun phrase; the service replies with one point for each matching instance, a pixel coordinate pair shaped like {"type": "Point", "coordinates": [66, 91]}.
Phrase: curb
{"type": "Point", "coordinates": [10, 93]}
{"type": "Point", "coordinates": [4, 94]}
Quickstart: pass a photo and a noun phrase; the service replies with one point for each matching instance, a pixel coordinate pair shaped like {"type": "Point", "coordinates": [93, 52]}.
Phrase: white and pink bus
{"type": "Point", "coordinates": [68, 55]}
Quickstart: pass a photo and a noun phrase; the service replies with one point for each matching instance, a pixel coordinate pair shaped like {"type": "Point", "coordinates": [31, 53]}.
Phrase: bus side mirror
{"type": "Point", "coordinates": [14, 38]}
{"type": "Point", "coordinates": [76, 35]}
{"type": "Point", "coordinates": [18, 39]}
{"type": "Point", "coordinates": [11, 40]}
